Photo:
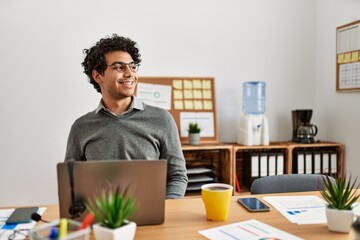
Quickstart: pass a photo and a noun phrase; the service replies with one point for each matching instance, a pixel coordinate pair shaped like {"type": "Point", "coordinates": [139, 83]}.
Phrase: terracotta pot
{"type": "Point", "coordinates": [126, 232]}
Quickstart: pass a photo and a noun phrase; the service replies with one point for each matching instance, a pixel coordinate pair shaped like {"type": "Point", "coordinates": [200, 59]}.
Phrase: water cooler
{"type": "Point", "coordinates": [253, 127]}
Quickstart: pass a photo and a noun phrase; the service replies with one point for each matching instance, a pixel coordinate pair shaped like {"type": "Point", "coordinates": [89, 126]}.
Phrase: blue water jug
{"type": "Point", "coordinates": [254, 97]}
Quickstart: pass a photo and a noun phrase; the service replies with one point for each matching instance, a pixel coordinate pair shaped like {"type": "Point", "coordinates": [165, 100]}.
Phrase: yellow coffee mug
{"type": "Point", "coordinates": [216, 198]}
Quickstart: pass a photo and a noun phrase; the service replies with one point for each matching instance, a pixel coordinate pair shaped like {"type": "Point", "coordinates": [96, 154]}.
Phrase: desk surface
{"type": "Point", "coordinates": [185, 217]}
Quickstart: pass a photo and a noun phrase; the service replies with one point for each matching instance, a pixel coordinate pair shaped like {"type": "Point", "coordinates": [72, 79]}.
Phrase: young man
{"type": "Point", "coordinates": [122, 127]}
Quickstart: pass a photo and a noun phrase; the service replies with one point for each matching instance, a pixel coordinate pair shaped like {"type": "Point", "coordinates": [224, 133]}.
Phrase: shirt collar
{"type": "Point", "coordinates": [136, 103]}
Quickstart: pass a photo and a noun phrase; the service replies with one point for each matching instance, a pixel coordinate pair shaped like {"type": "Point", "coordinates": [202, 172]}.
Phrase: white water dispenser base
{"type": "Point", "coordinates": [253, 130]}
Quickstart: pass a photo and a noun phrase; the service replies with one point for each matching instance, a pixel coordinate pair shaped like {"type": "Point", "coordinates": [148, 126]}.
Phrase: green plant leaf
{"type": "Point", "coordinates": [340, 193]}
{"type": "Point", "coordinates": [112, 207]}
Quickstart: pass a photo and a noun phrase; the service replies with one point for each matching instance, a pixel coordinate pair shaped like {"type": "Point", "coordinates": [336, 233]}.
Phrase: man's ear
{"type": "Point", "coordinates": [97, 76]}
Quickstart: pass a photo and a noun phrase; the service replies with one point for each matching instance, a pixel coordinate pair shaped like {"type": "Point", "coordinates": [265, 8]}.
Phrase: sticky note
{"type": "Point", "coordinates": [207, 94]}
{"type": "Point", "coordinates": [177, 84]}
{"type": "Point", "coordinates": [208, 105]}
{"type": "Point", "coordinates": [189, 104]}
{"type": "Point", "coordinates": [206, 84]}
{"type": "Point", "coordinates": [347, 57]}
{"type": "Point", "coordinates": [354, 56]}
{"type": "Point", "coordinates": [197, 83]}
{"type": "Point", "coordinates": [198, 105]}
{"type": "Point", "coordinates": [188, 94]}
{"type": "Point", "coordinates": [341, 58]}
{"type": "Point", "coordinates": [178, 105]}
{"type": "Point", "coordinates": [197, 94]}
{"type": "Point", "coordinates": [178, 94]}
{"type": "Point", "coordinates": [188, 84]}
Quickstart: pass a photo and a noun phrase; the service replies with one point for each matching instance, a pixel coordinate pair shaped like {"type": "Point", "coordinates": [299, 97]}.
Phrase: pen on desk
{"type": "Point", "coordinates": [89, 218]}
{"type": "Point", "coordinates": [63, 227]}
{"type": "Point", "coordinates": [53, 233]}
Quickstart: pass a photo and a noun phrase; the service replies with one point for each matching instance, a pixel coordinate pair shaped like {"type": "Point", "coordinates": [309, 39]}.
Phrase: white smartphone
{"type": "Point", "coordinates": [253, 204]}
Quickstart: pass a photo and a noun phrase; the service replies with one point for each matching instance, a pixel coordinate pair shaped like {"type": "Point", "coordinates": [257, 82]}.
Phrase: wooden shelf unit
{"type": "Point", "coordinates": [219, 155]}
{"type": "Point", "coordinates": [337, 147]}
{"type": "Point", "coordinates": [227, 160]}
{"type": "Point", "coordinates": [288, 149]}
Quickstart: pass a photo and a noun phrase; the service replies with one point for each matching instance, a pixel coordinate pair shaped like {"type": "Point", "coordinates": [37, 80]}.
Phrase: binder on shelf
{"type": "Point", "coordinates": [279, 164]}
{"type": "Point", "coordinates": [263, 165]}
{"type": "Point", "coordinates": [325, 163]}
{"type": "Point", "coordinates": [308, 163]}
{"type": "Point", "coordinates": [250, 168]}
{"type": "Point", "coordinates": [255, 167]}
{"type": "Point", "coordinates": [272, 164]}
{"type": "Point", "coordinates": [317, 162]}
{"type": "Point", "coordinates": [300, 162]}
{"type": "Point", "coordinates": [333, 162]}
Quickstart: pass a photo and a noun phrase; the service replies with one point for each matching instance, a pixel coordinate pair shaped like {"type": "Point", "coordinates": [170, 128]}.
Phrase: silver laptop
{"type": "Point", "coordinates": [146, 179]}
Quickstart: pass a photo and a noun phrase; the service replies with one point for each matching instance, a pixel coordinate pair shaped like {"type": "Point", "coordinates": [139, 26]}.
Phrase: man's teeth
{"type": "Point", "coordinates": [127, 82]}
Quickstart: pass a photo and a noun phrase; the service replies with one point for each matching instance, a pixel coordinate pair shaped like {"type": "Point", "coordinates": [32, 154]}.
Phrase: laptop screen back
{"type": "Point", "coordinates": [146, 180]}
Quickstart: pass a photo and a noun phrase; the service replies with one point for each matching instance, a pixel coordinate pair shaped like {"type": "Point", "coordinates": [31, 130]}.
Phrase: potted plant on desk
{"type": "Point", "coordinates": [194, 133]}
{"type": "Point", "coordinates": [112, 209]}
{"type": "Point", "coordinates": [339, 194]}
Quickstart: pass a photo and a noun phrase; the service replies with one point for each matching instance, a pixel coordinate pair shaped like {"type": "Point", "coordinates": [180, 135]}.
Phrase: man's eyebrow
{"type": "Point", "coordinates": [121, 63]}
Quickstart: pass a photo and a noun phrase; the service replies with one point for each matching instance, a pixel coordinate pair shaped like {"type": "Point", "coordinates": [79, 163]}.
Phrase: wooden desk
{"type": "Point", "coordinates": [185, 217]}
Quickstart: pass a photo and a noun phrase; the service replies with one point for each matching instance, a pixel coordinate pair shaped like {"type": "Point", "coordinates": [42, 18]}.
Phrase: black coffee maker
{"type": "Point", "coordinates": [303, 130]}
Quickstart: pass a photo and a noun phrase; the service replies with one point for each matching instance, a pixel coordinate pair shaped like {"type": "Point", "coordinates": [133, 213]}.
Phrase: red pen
{"type": "Point", "coordinates": [89, 218]}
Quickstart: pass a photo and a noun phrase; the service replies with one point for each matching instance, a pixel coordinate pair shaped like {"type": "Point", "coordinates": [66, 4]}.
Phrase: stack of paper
{"type": "Point", "coordinates": [300, 209]}
{"type": "Point", "coordinates": [250, 230]}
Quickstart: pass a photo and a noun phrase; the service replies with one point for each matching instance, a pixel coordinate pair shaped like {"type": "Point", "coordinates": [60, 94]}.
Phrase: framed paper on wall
{"type": "Point", "coordinates": [348, 57]}
{"type": "Point", "coordinates": [188, 99]}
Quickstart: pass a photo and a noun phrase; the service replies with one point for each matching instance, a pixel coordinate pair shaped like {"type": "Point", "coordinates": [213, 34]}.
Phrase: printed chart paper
{"type": "Point", "coordinates": [300, 209]}
{"type": "Point", "coordinates": [249, 230]}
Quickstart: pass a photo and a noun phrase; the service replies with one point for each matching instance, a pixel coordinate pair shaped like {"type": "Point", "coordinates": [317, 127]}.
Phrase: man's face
{"type": "Point", "coordinates": [120, 78]}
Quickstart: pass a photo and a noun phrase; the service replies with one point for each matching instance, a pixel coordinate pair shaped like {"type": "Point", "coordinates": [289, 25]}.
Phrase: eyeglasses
{"type": "Point", "coordinates": [15, 234]}
{"type": "Point", "coordinates": [121, 66]}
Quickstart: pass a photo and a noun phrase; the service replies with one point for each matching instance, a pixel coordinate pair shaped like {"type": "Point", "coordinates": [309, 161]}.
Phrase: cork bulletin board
{"type": "Point", "coordinates": [188, 99]}
{"type": "Point", "coordinates": [348, 57]}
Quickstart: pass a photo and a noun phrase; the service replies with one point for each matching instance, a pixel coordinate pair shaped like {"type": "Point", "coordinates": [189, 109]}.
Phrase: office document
{"type": "Point", "coordinates": [300, 209]}
{"type": "Point", "coordinates": [204, 119]}
{"type": "Point", "coordinates": [347, 57]}
{"type": "Point", "coordinates": [250, 230]}
{"type": "Point", "coordinates": [155, 95]}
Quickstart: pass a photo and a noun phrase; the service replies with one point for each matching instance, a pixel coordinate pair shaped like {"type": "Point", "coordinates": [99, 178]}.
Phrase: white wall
{"type": "Point", "coordinates": [338, 112]}
{"type": "Point", "coordinates": [44, 89]}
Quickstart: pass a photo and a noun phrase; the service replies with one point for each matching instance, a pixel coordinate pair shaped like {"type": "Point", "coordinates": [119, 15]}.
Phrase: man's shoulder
{"type": "Point", "coordinates": [85, 118]}
{"type": "Point", "coordinates": [156, 110]}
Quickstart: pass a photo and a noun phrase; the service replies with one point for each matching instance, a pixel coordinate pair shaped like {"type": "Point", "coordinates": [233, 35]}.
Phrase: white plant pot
{"type": "Point", "coordinates": [194, 138]}
{"type": "Point", "coordinates": [339, 220]}
{"type": "Point", "coordinates": [126, 232]}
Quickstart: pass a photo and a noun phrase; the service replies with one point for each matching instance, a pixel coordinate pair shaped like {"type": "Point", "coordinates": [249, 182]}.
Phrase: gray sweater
{"type": "Point", "coordinates": [142, 132]}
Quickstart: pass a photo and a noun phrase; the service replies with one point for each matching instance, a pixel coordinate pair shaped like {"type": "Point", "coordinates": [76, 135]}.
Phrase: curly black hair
{"type": "Point", "coordinates": [95, 56]}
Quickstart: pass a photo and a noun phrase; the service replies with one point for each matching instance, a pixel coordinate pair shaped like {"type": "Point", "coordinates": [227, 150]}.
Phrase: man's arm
{"type": "Point", "coordinates": [172, 151]}
{"type": "Point", "coordinates": [73, 149]}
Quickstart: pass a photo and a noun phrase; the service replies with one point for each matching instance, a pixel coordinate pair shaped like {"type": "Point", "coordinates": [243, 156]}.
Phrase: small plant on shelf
{"type": "Point", "coordinates": [194, 128]}
{"type": "Point", "coordinates": [338, 193]}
